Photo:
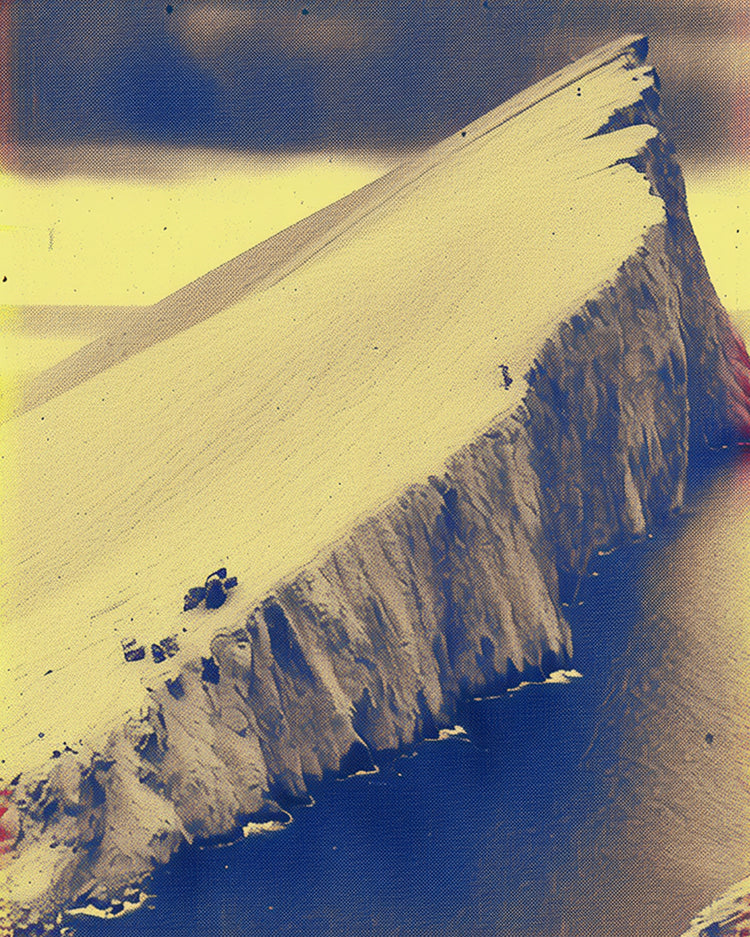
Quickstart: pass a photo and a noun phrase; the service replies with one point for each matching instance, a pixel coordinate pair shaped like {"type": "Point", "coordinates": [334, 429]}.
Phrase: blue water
{"type": "Point", "coordinates": [613, 805]}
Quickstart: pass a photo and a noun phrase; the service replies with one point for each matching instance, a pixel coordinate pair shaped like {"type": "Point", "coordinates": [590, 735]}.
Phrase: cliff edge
{"type": "Point", "coordinates": [405, 426]}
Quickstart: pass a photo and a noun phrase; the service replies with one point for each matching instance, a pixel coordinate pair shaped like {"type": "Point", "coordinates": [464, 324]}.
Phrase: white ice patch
{"type": "Point", "coordinates": [455, 732]}
{"type": "Point", "coordinates": [114, 911]}
{"type": "Point", "coordinates": [558, 676]}
{"type": "Point", "coordinates": [268, 826]}
{"type": "Point", "coordinates": [361, 774]}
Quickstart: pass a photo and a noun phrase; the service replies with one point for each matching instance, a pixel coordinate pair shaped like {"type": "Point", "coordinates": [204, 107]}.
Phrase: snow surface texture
{"type": "Point", "coordinates": [344, 438]}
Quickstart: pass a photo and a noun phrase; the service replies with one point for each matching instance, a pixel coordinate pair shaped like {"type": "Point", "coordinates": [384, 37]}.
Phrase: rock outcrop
{"type": "Point", "coordinates": [452, 587]}
{"type": "Point", "coordinates": [728, 916]}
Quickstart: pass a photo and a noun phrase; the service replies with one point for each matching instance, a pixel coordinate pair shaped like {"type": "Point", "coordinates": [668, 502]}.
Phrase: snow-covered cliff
{"type": "Point", "coordinates": [405, 434]}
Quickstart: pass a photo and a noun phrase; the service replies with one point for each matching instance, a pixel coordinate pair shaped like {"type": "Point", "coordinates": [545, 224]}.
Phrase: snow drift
{"type": "Point", "coordinates": [404, 425]}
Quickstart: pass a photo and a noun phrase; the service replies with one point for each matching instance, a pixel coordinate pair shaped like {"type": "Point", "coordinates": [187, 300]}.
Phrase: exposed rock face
{"type": "Point", "coordinates": [452, 588]}
{"type": "Point", "coordinates": [728, 916]}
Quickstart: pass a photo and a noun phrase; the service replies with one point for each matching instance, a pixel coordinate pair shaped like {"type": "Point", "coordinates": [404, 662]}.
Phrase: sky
{"type": "Point", "coordinates": [377, 74]}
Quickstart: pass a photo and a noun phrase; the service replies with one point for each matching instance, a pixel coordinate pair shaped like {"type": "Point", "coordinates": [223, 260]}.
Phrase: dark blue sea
{"type": "Point", "coordinates": [614, 805]}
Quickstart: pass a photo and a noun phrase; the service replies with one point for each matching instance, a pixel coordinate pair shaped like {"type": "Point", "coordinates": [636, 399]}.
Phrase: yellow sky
{"type": "Point", "coordinates": [113, 241]}
{"type": "Point", "coordinates": [85, 240]}
{"type": "Point", "coordinates": [719, 204]}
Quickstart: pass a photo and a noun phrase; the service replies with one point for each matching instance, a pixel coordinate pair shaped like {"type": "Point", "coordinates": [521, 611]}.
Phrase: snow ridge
{"type": "Point", "coordinates": [450, 587]}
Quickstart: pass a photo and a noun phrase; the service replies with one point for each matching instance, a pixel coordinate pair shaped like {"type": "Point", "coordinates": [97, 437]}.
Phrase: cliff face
{"type": "Point", "coordinates": [451, 588]}
{"type": "Point", "coordinates": [726, 917]}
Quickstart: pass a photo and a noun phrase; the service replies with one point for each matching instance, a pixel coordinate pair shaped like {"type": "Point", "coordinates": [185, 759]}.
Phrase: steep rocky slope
{"type": "Point", "coordinates": [728, 916]}
{"type": "Point", "coordinates": [405, 436]}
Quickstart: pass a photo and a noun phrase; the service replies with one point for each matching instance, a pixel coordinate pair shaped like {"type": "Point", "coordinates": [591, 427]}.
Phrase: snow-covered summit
{"type": "Point", "coordinates": [367, 352]}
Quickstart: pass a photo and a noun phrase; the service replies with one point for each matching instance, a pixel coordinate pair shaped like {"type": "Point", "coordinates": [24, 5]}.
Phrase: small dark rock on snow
{"type": "Point", "coordinates": [132, 651]}
{"type": "Point", "coordinates": [167, 647]}
{"type": "Point", "coordinates": [214, 592]}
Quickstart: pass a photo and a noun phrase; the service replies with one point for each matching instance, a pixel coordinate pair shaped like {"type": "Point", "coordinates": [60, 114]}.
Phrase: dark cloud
{"type": "Point", "coordinates": [213, 32]}
{"type": "Point", "coordinates": [375, 73]}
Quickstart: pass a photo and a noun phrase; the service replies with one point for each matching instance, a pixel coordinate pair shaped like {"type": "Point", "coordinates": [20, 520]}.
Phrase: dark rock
{"type": "Point", "coordinates": [358, 758]}
{"type": "Point", "coordinates": [210, 670]}
{"type": "Point", "coordinates": [216, 594]}
{"type": "Point", "coordinates": [169, 645]}
{"type": "Point", "coordinates": [194, 598]}
{"type": "Point", "coordinates": [176, 688]}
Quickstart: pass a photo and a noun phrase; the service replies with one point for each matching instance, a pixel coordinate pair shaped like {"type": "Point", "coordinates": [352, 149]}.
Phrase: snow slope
{"type": "Point", "coordinates": [253, 439]}
{"type": "Point", "coordinates": [484, 169]}
{"type": "Point", "coordinates": [282, 418]}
